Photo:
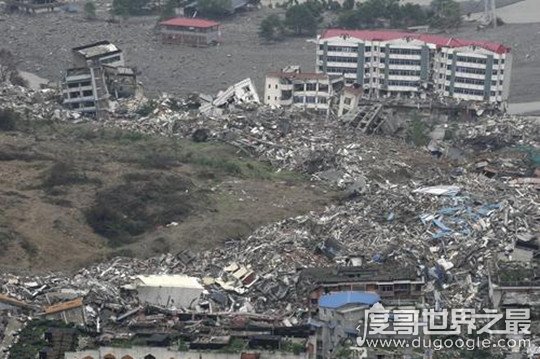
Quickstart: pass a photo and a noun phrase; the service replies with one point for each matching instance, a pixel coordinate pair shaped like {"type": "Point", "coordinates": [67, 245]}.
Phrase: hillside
{"type": "Point", "coordinates": [74, 194]}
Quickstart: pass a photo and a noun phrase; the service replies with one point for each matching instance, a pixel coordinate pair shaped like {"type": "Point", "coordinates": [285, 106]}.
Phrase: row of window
{"type": "Point", "coordinates": [78, 94]}
{"type": "Point", "coordinates": [466, 80]}
{"type": "Point", "coordinates": [77, 84]}
{"type": "Point", "coordinates": [403, 62]}
{"type": "Point", "coordinates": [309, 99]}
{"type": "Point", "coordinates": [405, 51]}
{"type": "Point", "coordinates": [403, 83]}
{"type": "Point", "coordinates": [404, 72]}
{"type": "Point", "coordinates": [476, 60]}
{"type": "Point", "coordinates": [339, 70]}
{"type": "Point", "coordinates": [340, 59]}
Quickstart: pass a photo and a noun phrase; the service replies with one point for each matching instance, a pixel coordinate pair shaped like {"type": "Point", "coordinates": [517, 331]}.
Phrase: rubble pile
{"type": "Point", "coordinates": [35, 105]}
{"type": "Point", "coordinates": [402, 208]}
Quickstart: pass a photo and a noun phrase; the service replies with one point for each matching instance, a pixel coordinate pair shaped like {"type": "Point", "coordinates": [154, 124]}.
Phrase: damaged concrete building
{"type": "Point", "coordinates": [178, 291]}
{"type": "Point", "coordinates": [393, 63]}
{"type": "Point", "coordinates": [99, 73]}
{"type": "Point", "coordinates": [292, 87]}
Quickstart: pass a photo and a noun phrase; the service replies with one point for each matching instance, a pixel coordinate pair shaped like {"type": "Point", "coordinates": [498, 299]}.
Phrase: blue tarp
{"type": "Point", "coordinates": [339, 299]}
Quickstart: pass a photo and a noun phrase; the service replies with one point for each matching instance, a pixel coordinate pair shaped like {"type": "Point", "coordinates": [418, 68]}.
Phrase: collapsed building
{"type": "Point", "coordinates": [393, 63]}
{"type": "Point", "coordinates": [400, 235]}
{"type": "Point", "coordinates": [309, 91]}
{"type": "Point", "coordinates": [99, 74]}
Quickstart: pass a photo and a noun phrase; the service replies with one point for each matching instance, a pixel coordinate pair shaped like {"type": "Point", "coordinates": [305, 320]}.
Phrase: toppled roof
{"type": "Point", "coordinates": [339, 299]}
{"type": "Point", "coordinates": [169, 280]}
{"type": "Point", "coordinates": [439, 41]}
{"type": "Point", "coordinates": [97, 49]}
{"type": "Point", "coordinates": [299, 75]}
{"type": "Point", "coordinates": [189, 22]}
{"type": "Point", "coordinates": [61, 307]}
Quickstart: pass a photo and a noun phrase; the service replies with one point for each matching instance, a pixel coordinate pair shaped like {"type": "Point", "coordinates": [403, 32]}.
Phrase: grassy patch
{"type": "Point", "coordinates": [64, 174]}
{"type": "Point", "coordinates": [142, 202]}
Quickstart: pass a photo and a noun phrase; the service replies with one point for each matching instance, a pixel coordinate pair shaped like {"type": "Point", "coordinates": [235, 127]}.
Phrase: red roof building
{"type": "Point", "coordinates": [439, 41]}
{"type": "Point", "coordinates": [190, 31]}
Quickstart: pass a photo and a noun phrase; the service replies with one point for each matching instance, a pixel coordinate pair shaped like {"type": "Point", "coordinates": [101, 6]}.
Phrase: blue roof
{"type": "Point", "coordinates": [339, 299]}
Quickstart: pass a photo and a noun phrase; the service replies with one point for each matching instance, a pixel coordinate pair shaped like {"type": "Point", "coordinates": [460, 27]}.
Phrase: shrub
{"type": "Point", "coordinates": [142, 202]}
{"type": "Point", "coordinates": [8, 120]}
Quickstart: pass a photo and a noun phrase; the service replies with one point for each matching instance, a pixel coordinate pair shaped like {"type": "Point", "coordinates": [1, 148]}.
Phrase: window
{"type": "Point", "coordinates": [87, 93]}
{"type": "Point", "coordinates": [322, 100]}
{"type": "Point", "coordinates": [347, 101]}
{"type": "Point", "coordinates": [298, 87]}
{"type": "Point", "coordinates": [323, 87]}
{"type": "Point", "coordinates": [311, 87]}
{"type": "Point", "coordinates": [269, 86]}
{"type": "Point", "coordinates": [269, 97]}
{"type": "Point", "coordinates": [310, 99]}
{"type": "Point", "coordinates": [298, 99]}
{"type": "Point", "coordinates": [275, 98]}
{"type": "Point", "coordinates": [276, 86]}
{"type": "Point", "coordinates": [386, 288]}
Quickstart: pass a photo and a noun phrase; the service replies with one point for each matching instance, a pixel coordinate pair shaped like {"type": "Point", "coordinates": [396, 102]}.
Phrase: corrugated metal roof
{"type": "Point", "coordinates": [172, 280]}
{"type": "Point", "coordinates": [189, 22]}
{"type": "Point", "coordinates": [339, 299]}
{"type": "Point", "coordinates": [440, 41]}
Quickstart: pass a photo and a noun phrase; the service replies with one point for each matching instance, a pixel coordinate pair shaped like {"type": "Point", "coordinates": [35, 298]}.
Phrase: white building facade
{"type": "Point", "coordinates": [391, 63]}
{"type": "Point", "coordinates": [311, 91]}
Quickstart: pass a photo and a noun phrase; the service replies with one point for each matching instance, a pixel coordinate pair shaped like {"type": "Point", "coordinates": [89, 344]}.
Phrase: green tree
{"type": "Point", "coordinates": [125, 8]}
{"type": "Point", "coordinates": [348, 5]}
{"type": "Point", "coordinates": [446, 14]}
{"type": "Point", "coordinates": [271, 28]}
{"type": "Point", "coordinates": [349, 20]}
{"type": "Point", "coordinates": [300, 19]}
{"type": "Point", "coordinates": [120, 8]}
{"type": "Point", "coordinates": [168, 10]}
{"type": "Point", "coordinates": [214, 8]}
{"type": "Point", "coordinates": [90, 10]}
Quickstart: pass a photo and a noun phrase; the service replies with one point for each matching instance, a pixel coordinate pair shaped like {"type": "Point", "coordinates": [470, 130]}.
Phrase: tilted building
{"type": "Point", "coordinates": [394, 63]}
{"type": "Point", "coordinates": [308, 90]}
{"type": "Point", "coordinates": [99, 73]}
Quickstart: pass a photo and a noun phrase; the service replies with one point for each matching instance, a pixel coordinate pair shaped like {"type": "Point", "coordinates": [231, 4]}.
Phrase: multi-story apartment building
{"type": "Point", "coordinates": [407, 64]}
{"type": "Point", "coordinates": [291, 87]}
